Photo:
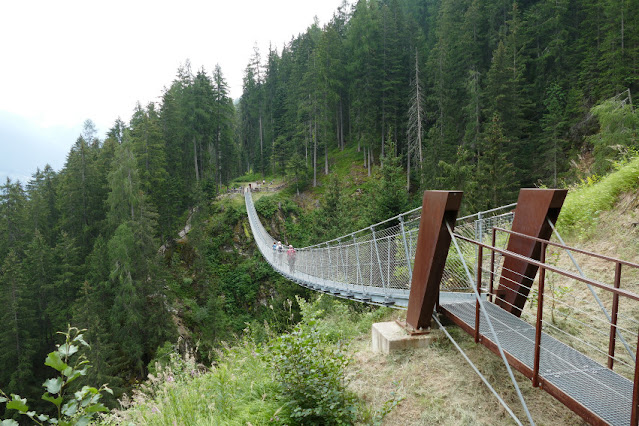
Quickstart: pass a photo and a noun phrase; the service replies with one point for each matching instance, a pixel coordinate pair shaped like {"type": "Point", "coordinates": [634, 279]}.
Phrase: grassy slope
{"type": "Point", "coordinates": [436, 384]}
{"type": "Point", "coordinates": [585, 203]}
{"type": "Point", "coordinates": [430, 386]}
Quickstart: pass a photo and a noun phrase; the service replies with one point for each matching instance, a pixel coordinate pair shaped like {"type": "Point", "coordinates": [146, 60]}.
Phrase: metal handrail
{"type": "Point", "coordinates": [598, 284]}
{"type": "Point", "coordinates": [543, 267]}
{"type": "Point", "coordinates": [567, 247]}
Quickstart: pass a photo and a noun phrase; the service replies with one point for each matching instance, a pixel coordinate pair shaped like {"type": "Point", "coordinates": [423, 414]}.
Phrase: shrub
{"type": "Point", "coordinates": [266, 207]}
{"type": "Point", "coordinates": [310, 370]}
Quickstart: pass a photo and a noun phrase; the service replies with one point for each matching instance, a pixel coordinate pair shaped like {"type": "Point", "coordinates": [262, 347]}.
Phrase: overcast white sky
{"type": "Point", "coordinates": [64, 61]}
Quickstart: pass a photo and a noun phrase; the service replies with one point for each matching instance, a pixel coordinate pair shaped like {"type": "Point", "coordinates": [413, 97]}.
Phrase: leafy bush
{"type": "Point", "coordinates": [266, 207]}
{"type": "Point", "coordinates": [310, 370]}
{"type": "Point", "coordinates": [77, 409]}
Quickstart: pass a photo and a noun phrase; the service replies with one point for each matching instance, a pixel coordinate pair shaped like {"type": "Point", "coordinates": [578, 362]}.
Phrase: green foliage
{"type": "Point", "coordinates": [619, 132]}
{"type": "Point", "coordinates": [297, 172]}
{"type": "Point", "coordinates": [238, 390]}
{"type": "Point", "coordinates": [311, 372]}
{"type": "Point", "coordinates": [389, 196]}
{"type": "Point", "coordinates": [584, 203]}
{"type": "Point", "coordinates": [266, 207]}
{"type": "Point", "coordinates": [77, 408]}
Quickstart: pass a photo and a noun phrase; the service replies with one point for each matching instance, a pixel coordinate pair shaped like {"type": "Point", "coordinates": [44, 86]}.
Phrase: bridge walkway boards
{"type": "Point", "coordinates": [565, 373]}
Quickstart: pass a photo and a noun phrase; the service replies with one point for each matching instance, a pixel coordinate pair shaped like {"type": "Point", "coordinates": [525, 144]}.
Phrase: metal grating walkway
{"type": "Point", "coordinates": [601, 391]}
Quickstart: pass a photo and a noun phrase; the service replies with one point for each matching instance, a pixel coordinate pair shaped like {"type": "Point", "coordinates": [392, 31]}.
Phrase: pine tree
{"type": "Point", "coordinates": [496, 179]}
{"type": "Point", "coordinates": [13, 217]}
{"type": "Point", "coordinates": [17, 316]}
{"type": "Point", "coordinates": [553, 124]}
{"type": "Point", "coordinates": [137, 317]}
{"type": "Point", "coordinates": [39, 272]}
{"type": "Point", "coordinates": [224, 150]}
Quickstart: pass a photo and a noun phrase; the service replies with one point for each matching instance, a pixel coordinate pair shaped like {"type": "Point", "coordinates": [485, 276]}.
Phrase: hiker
{"type": "Point", "coordinates": [290, 253]}
{"type": "Point", "coordinates": [280, 250]}
{"type": "Point", "coordinates": [274, 250]}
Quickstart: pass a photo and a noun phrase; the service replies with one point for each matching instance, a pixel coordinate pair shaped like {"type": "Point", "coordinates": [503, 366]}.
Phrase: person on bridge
{"type": "Point", "coordinates": [274, 251]}
{"type": "Point", "coordinates": [280, 250]}
{"type": "Point", "coordinates": [290, 253]}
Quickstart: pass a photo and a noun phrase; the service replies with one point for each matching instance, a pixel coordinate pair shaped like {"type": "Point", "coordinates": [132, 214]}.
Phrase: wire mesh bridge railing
{"type": "Point", "coordinates": [373, 264]}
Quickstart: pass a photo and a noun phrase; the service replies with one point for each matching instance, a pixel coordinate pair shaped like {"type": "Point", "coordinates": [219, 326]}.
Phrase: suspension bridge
{"type": "Point", "coordinates": [577, 337]}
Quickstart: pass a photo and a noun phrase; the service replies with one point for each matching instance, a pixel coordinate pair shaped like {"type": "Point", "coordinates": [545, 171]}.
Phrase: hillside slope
{"type": "Point", "coordinates": [428, 386]}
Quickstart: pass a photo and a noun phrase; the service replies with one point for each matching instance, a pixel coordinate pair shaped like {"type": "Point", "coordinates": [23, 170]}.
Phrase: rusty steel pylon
{"type": "Point", "coordinates": [433, 241]}
{"type": "Point", "coordinates": [535, 207]}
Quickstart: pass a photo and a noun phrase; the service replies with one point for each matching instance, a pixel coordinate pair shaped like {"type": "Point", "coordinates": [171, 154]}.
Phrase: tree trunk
{"type": "Point", "coordinates": [310, 138]}
{"type": "Point", "coordinates": [408, 172]}
{"type": "Point", "coordinates": [261, 148]}
{"type": "Point", "coordinates": [197, 172]}
{"type": "Point", "coordinates": [325, 161]}
{"type": "Point", "coordinates": [339, 142]}
{"type": "Point", "coordinates": [314, 154]}
{"type": "Point", "coordinates": [341, 125]}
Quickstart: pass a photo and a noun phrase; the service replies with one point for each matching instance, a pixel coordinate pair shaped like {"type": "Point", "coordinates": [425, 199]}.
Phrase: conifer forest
{"type": "Point", "coordinates": [481, 96]}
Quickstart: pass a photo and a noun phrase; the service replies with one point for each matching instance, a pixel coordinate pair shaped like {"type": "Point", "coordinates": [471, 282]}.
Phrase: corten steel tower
{"type": "Point", "coordinates": [433, 241]}
{"type": "Point", "coordinates": [535, 207]}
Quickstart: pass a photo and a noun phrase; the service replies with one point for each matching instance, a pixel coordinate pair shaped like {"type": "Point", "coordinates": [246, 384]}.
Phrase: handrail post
{"type": "Point", "coordinates": [321, 266]}
{"type": "Point", "coordinates": [634, 416]}
{"type": "Point", "coordinates": [379, 262]}
{"type": "Point", "coordinates": [340, 261]}
{"type": "Point", "coordinates": [388, 262]}
{"type": "Point", "coordinates": [360, 277]}
{"type": "Point", "coordinates": [406, 252]}
{"type": "Point", "coordinates": [492, 266]}
{"type": "Point", "coordinates": [330, 261]}
{"type": "Point", "coordinates": [613, 319]}
{"type": "Point", "coordinates": [540, 313]}
{"type": "Point", "coordinates": [477, 303]}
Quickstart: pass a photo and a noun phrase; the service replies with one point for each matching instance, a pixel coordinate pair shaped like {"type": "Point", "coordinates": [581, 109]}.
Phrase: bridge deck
{"type": "Point", "coordinates": [564, 372]}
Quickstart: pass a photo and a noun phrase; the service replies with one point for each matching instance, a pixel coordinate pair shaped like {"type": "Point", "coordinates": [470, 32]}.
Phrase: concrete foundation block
{"type": "Point", "coordinates": [390, 336]}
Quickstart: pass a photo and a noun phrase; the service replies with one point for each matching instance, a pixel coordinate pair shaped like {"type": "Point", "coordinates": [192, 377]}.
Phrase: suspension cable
{"type": "Point", "coordinates": [592, 291]}
{"type": "Point", "coordinates": [481, 376]}
{"type": "Point", "coordinates": [490, 325]}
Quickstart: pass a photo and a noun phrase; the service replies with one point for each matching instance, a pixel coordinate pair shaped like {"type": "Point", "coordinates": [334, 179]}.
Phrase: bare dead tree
{"type": "Point", "coordinates": [415, 131]}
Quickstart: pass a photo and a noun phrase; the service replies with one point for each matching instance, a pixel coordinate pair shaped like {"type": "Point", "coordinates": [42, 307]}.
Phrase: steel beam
{"type": "Point", "coordinates": [534, 208]}
{"type": "Point", "coordinates": [433, 241]}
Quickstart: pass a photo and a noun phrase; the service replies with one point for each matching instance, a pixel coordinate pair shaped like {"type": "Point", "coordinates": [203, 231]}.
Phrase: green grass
{"type": "Point", "coordinates": [240, 388]}
{"type": "Point", "coordinates": [583, 204]}
{"type": "Point", "coordinates": [237, 390]}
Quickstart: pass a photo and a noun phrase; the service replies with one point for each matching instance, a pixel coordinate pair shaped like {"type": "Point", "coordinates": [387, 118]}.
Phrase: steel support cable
{"type": "Point", "coordinates": [524, 337]}
{"type": "Point", "coordinates": [585, 325]}
{"type": "Point", "coordinates": [588, 344]}
{"type": "Point", "coordinates": [592, 291]}
{"type": "Point", "coordinates": [481, 376]}
{"type": "Point", "coordinates": [490, 325]}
